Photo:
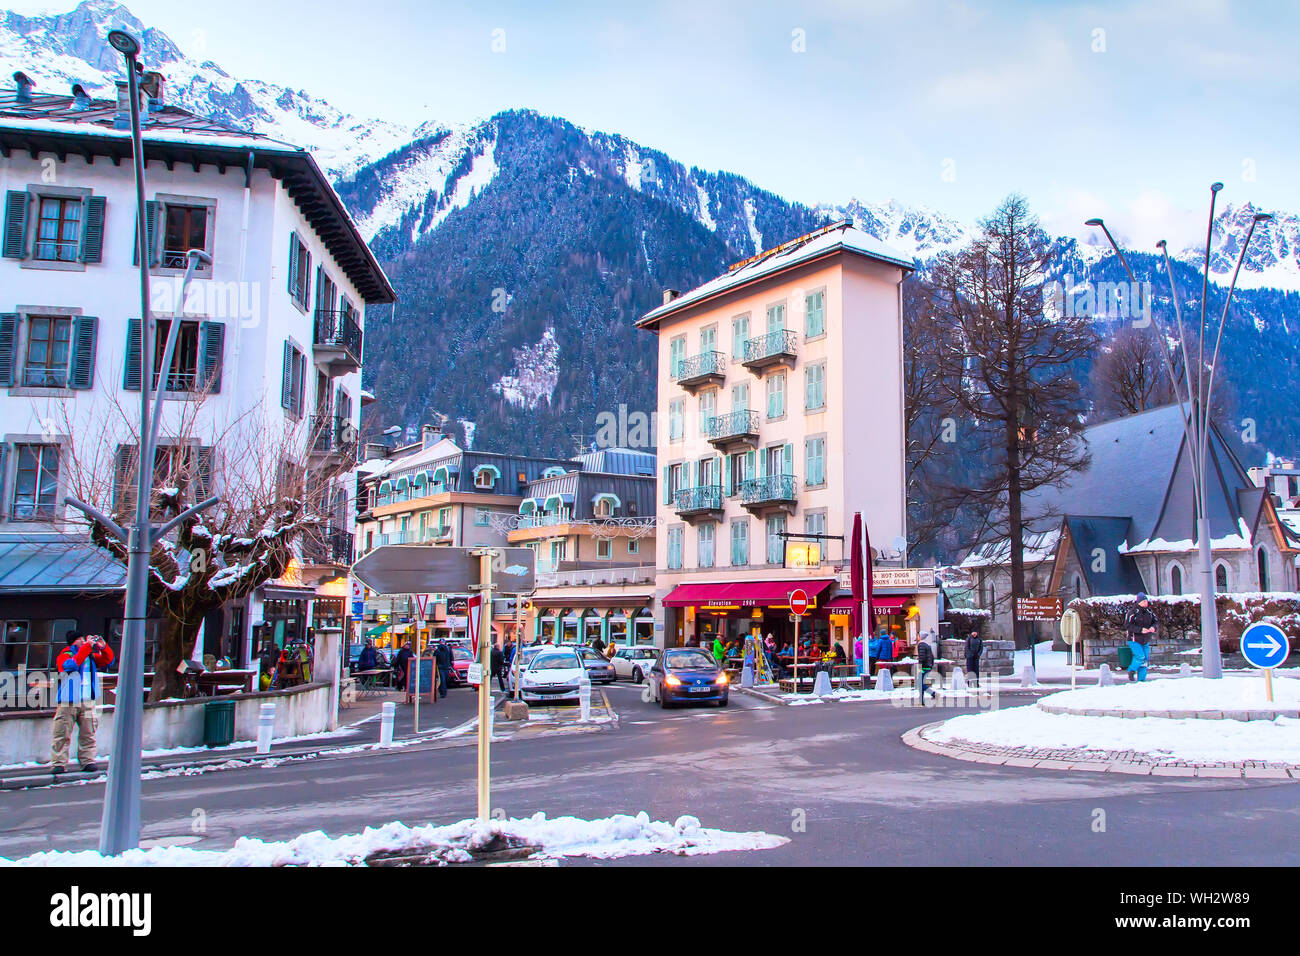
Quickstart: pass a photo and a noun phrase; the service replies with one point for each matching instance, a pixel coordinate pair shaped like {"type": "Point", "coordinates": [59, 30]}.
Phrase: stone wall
{"type": "Point", "coordinates": [999, 656]}
{"type": "Point", "coordinates": [1105, 650]}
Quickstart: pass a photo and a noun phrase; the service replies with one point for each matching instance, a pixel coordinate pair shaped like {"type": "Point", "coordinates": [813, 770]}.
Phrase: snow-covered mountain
{"type": "Point", "coordinates": [57, 50]}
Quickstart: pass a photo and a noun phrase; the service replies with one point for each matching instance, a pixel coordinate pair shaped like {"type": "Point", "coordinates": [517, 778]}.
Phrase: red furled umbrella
{"type": "Point", "coordinates": [855, 578]}
{"type": "Point", "coordinates": [871, 609]}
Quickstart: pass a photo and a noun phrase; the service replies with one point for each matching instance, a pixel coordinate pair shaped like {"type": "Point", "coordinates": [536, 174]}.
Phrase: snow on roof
{"type": "Point", "coordinates": [836, 237]}
{"type": "Point", "coordinates": [1040, 546]}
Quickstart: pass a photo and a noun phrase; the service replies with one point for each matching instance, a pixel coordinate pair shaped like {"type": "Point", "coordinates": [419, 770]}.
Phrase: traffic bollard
{"type": "Point", "coordinates": [265, 727]}
{"type": "Point", "coordinates": [386, 718]}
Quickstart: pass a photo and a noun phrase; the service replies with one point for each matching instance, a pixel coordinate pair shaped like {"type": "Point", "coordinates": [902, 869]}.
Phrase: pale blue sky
{"type": "Point", "coordinates": [1128, 109]}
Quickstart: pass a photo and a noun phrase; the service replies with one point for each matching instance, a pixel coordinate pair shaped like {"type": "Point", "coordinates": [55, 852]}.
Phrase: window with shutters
{"type": "Point", "coordinates": [184, 467]}
{"type": "Point", "coordinates": [776, 396]}
{"type": "Point", "coordinates": [185, 227]}
{"type": "Point", "coordinates": [676, 420]}
{"type": "Point", "coordinates": [815, 461]}
{"type": "Point", "coordinates": [775, 539]}
{"type": "Point", "coordinates": [675, 536]}
{"type": "Point", "coordinates": [58, 229]}
{"type": "Point", "coordinates": [299, 271]}
{"type": "Point", "coordinates": [48, 353]}
{"type": "Point", "coordinates": [739, 335]}
{"type": "Point", "coordinates": [293, 376]}
{"type": "Point", "coordinates": [705, 544]}
{"type": "Point", "coordinates": [36, 482]}
{"type": "Point", "coordinates": [815, 314]}
{"type": "Point", "coordinates": [604, 548]}
{"type": "Point", "coordinates": [815, 387]}
{"type": "Point", "coordinates": [740, 542]}
{"type": "Point", "coordinates": [676, 356]}
{"type": "Point", "coordinates": [184, 374]}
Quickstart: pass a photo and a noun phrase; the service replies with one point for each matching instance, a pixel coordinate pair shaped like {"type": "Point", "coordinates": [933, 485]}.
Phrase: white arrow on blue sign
{"type": "Point", "coordinates": [1264, 645]}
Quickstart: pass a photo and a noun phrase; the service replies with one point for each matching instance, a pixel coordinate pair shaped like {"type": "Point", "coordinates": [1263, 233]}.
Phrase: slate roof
{"type": "Point", "coordinates": [1119, 573]}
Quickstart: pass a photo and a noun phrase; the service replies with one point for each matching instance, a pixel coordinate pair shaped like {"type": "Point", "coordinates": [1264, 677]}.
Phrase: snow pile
{"type": "Point", "coordinates": [535, 375]}
{"type": "Point", "coordinates": [1190, 739]}
{"type": "Point", "coordinates": [1244, 692]}
{"type": "Point", "coordinates": [617, 836]}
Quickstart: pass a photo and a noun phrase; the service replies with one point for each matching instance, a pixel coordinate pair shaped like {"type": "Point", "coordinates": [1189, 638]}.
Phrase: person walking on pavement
{"type": "Point", "coordinates": [1141, 626]}
{"type": "Point", "coordinates": [598, 644]}
{"type": "Point", "coordinates": [400, 660]}
{"type": "Point", "coordinates": [974, 648]}
{"type": "Point", "coordinates": [498, 661]}
{"type": "Point", "coordinates": [78, 685]}
{"type": "Point", "coordinates": [719, 652]}
{"type": "Point", "coordinates": [442, 655]}
{"type": "Point", "coordinates": [925, 664]}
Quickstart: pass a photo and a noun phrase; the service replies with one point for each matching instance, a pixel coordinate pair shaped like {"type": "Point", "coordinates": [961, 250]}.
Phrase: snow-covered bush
{"type": "Point", "coordinates": [1180, 614]}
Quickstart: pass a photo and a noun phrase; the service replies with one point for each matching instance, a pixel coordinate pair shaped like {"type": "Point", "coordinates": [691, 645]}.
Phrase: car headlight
{"type": "Point", "coordinates": [721, 679]}
{"type": "Point", "coordinates": [672, 681]}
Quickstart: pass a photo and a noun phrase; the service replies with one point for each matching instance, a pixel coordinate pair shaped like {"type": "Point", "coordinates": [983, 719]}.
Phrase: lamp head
{"type": "Point", "coordinates": [201, 256]}
{"type": "Point", "coordinates": [1263, 217]}
{"type": "Point", "coordinates": [1161, 244]}
{"type": "Point", "coordinates": [1215, 187]}
{"type": "Point", "coordinates": [124, 43]}
{"type": "Point", "coordinates": [1094, 222]}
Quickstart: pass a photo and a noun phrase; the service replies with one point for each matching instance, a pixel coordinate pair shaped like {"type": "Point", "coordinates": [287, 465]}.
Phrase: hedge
{"type": "Point", "coordinates": [1180, 614]}
{"type": "Point", "coordinates": [967, 619]}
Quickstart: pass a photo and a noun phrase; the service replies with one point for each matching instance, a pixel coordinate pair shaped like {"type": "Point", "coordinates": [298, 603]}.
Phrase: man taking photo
{"type": "Point", "coordinates": [78, 665]}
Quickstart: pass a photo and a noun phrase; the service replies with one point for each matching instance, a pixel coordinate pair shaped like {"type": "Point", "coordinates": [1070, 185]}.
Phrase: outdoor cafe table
{"type": "Point", "coordinates": [375, 681]}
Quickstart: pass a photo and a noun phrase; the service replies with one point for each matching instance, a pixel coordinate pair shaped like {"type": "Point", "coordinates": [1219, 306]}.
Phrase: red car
{"type": "Point", "coordinates": [461, 658]}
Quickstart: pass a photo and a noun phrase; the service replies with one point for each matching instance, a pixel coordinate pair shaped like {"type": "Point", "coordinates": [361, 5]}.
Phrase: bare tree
{"type": "Point", "coordinates": [1010, 369]}
{"type": "Point", "coordinates": [1128, 375]}
{"type": "Point", "coordinates": [270, 507]}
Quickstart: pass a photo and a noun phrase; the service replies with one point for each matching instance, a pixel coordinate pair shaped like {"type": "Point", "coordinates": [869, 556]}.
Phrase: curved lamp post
{"type": "Point", "coordinates": [1195, 409]}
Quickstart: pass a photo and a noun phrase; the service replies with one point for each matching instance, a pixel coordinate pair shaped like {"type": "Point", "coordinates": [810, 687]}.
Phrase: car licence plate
{"type": "Point", "coordinates": [700, 690]}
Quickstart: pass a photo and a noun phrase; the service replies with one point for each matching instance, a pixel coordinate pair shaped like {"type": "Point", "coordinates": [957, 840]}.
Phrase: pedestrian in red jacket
{"type": "Point", "coordinates": [78, 665]}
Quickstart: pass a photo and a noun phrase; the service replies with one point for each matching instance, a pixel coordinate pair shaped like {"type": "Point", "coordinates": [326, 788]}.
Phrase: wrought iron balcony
{"type": "Point", "coordinates": [771, 349]}
{"type": "Point", "coordinates": [337, 340]}
{"type": "Point", "coordinates": [334, 546]}
{"type": "Point", "coordinates": [735, 427]}
{"type": "Point", "coordinates": [332, 437]}
{"type": "Point", "coordinates": [699, 500]}
{"type": "Point", "coordinates": [707, 368]}
{"type": "Point", "coordinates": [769, 491]}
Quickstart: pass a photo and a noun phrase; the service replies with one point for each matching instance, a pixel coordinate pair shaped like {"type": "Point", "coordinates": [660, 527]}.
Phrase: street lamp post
{"type": "Point", "coordinates": [120, 825]}
{"type": "Point", "coordinates": [1195, 411]}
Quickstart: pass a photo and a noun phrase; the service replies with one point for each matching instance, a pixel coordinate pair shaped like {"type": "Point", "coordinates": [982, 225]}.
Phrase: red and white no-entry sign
{"type": "Point", "coordinates": [799, 601]}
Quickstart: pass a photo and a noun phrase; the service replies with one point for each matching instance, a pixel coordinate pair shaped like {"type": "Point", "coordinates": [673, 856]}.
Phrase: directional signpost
{"type": "Point", "coordinates": [419, 569]}
{"type": "Point", "coordinates": [1266, 647]}
{"type": "Point", "coordinates": [421, 611]}
{"type": "Point", "coordinates": [798, 608]}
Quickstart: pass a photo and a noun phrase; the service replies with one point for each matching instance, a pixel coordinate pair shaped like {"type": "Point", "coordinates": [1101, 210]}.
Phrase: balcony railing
{"type": "Point", "coordinates": [595, 577]}
{"type": "Point", "coordinates": [738, 425]}
{"type": "Point", "coordinates": [773, 348]}
{"type": "Point", "coordinates": [332, 436]}
{"type": "Point", "coordinates": [688, 501]}
{"type": "Point", "coordinates": [333, 547]}
{"type": "Point", "coordinates": [338, 336]}
{"type": "Point", "coordinates": [427, 535]}
{"type": "Point", "coordinates": [544, 520]}
{"type": "Point", "coordinates": [768, 490]}
{"type": "Point", "coordinates": [700, 369]}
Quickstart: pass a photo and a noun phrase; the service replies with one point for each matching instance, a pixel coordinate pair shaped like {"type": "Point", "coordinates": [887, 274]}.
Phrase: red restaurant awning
{"type": "Point", "coordinates": [744, 593]}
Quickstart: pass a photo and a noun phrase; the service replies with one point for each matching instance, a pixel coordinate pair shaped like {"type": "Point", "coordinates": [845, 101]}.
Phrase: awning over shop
{"type": "Point", "coordinates": [893, 604]}
{"type": "Point", "coordinates": [744, 593]}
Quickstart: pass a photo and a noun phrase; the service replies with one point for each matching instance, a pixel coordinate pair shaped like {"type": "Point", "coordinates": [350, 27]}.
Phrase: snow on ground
{"type": "Point", "coordinates": [617, 836]}
{"type": "Point", "coordinates": [1189, 739]}
{"type": "Point", "coordinates": [1050, 663]}
{"type": "Point", "coordinates": [1234, 692]}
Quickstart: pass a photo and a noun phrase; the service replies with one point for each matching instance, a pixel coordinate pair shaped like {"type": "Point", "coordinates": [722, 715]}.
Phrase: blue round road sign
{"type": "Point", "coordinates": [1264, 645]}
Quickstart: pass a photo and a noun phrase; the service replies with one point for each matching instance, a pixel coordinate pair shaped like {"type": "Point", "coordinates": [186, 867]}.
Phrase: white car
{"type": "Point", "coordinates": [634, 663]}
{"type": "Point", "coordinates": [553, 675]}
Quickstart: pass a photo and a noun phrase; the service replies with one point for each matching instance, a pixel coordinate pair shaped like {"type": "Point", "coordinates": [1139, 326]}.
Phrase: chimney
{"type": "Point", "coordinates": [25, 86]}
{"type": "Point", "coordinates": [670, 294]}
{"type": "Point", "coordinates": [154, 87]}
{"type": "Point", "coordinates": [80, 99]}
{"type": "Point", "coordinates": [430, 435]}
{"type": "Point", "coordinates": [122, 120]}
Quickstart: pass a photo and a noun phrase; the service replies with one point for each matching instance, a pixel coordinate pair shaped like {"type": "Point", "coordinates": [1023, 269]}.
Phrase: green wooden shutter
{"type": "Point", "coordinates": [131, 364]}
{"type": "Point", "coordinates": [726, 475]}
{"type": "Point", "coordinates": [123, 479]}
{"type": "Point", "coordinates": [787, 459]}
{"type": "Point", "coordinates": [92, 233]}
{"type": "Point", "coordinates": [286, 378]}
{"type": "Point", "coordinates": [212, 341]}
{"type": "Point", "coordinates": [151, 211]}
{"type": "Point", "coordinates": [15, 235]}
{"type": "Point", "coordinates": [667, 486]}
{"type": "Point", "coordinates": [82, 373]}
{"type": "Point", "coordinates": [305, 265]}
{"type": "Point", "coordinates": [204, 488]}
{"type": "Point", "coordinates": [8, 344]}
{"type": "Point", "coordinates": [293, 265]}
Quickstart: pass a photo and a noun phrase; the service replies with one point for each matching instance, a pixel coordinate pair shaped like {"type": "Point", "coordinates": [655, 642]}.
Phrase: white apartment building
{"type": "Point", "coordinates": [272, 333]}
{"type": "Point", "coordinates": [780, 416]}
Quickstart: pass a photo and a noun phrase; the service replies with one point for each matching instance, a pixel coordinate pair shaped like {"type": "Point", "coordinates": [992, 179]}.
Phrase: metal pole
{"type": "Point", "coordinates": [120, 825]}
{"type": "Point", "coordinates": [519, 640]}
{"type": "Point", "coordinates": [484, 694]}
{"type": "Point", "coordinates": [419, 646]}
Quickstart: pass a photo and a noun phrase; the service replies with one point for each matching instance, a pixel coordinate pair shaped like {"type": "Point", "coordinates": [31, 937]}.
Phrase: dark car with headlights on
{"type": "Point", "coordinates": [599, 668]}
{"type": "Point", "coordinates": [685, 674]}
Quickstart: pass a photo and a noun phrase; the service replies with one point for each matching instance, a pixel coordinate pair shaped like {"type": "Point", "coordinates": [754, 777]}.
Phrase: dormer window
{"type": "Point", "coordinates": [604, 505]}
{"type": "Point", "coordinates": [486, 477]}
